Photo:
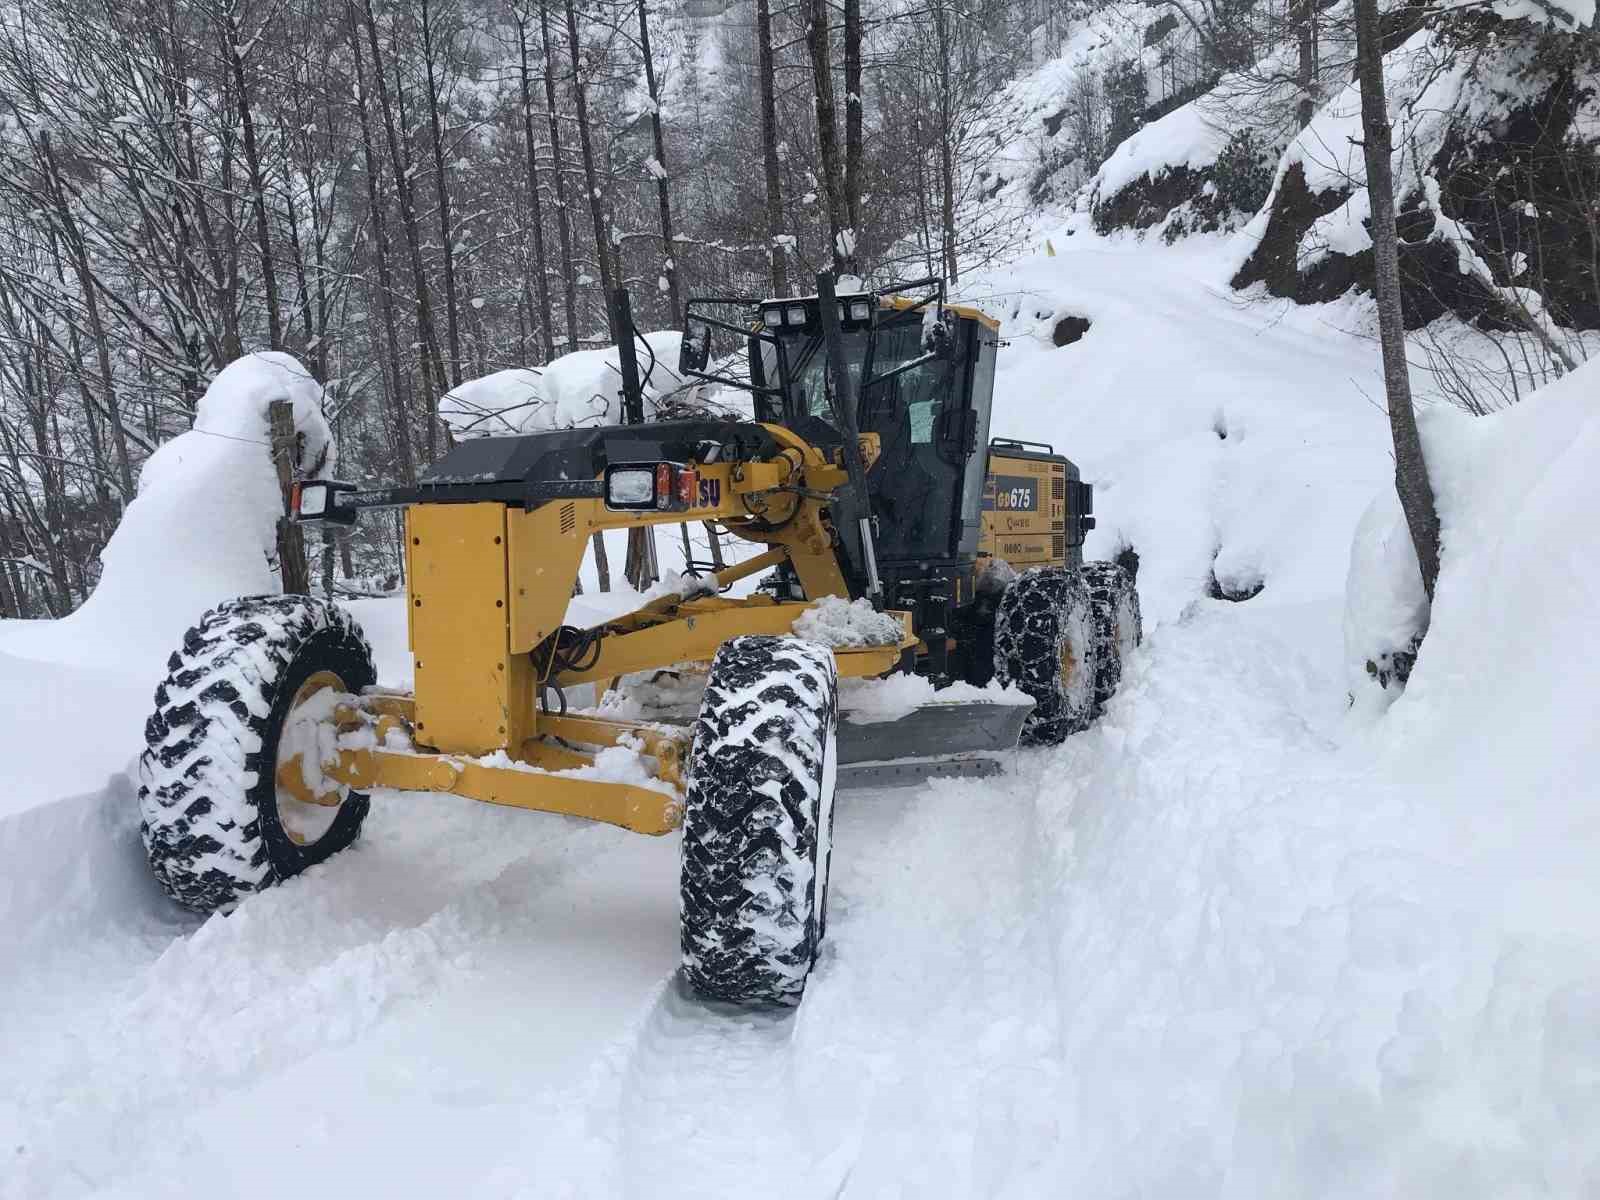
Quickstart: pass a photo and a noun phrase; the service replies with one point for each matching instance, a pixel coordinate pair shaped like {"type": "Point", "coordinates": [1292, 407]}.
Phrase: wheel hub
{"type": "Point", "coordinates": [308, 801]}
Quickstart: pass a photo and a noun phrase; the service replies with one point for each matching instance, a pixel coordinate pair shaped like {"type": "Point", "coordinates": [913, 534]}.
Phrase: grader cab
{"type": "Point", "coordinates": [872, 495]}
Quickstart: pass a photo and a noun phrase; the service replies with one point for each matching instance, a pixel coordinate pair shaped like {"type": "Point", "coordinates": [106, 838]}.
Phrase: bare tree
{"type": "Point", "coordinates": [1411, 478]}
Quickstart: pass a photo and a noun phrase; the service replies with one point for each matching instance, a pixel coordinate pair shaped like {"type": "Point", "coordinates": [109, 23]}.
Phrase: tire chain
{"type": "Point", "coordinates": [1114, 602]}
{"type": "Point", "coordinates": [1039, 613]}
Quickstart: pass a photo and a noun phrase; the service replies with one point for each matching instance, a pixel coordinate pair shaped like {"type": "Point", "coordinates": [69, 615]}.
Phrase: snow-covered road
{"type": "Point", "coordinates": [1232, 942]}
{"type": "Point", "coordinates": [1178, 954]}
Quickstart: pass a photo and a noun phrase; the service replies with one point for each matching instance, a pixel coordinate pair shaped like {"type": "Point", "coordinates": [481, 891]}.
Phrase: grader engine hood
{"type": "Point", "coordinates": [580, 456]}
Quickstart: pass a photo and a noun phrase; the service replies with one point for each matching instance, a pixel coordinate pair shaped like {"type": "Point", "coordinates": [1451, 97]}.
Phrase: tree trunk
{"type": "Point", "coordinates": [291, 541]}
{"type": "Point", "coordinates": [1305, 21]}
{"type": "Point", "coordinates": [853, 141]}
{"type": "Point", "coordinates": [258, 184]}
{"type": "Point", "coordinates": [442, 189]}
{"type": "Point", "coordinates": [569, 279]}
{"type": "Point", "coordinates": [947, 168]}
{"type": "Point", "coordinates": [777, 252]}
{"type": "Point", "coordinates": [669, 268]}
{"type": "Point", "coordinates": [541, 274]}
{"type": "Point", "coordinates": [402, 409]}
{"type": "Point", "coordinates": [1410, 467]}
{"type": "Point", "coordinates": [427, 338]}
{"type": "Point", "coordinates": [841, 237]}
{"type": "Point", "coordinates": [597, 213]}
{"type": "Point", "coordinates": [86, 282]}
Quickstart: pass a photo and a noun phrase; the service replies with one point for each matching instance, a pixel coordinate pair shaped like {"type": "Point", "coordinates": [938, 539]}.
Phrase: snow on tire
{"type": "Point", "coordinates": [1044, 644]}
{"type": "Point", "coordinates": [758, 820]}
{"type": "Point", "coordinates": [214, 824]}
{"type": "Point", "coordinates": [1118, 627]}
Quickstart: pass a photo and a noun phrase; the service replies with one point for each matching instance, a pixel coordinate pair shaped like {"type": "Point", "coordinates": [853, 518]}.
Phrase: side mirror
{"type": "Point", "coordinates": [938, 337]}
{"type": "Point", "coordinates": [694, 353]}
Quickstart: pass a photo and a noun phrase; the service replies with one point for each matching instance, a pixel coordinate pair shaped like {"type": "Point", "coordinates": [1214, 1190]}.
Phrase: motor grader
{"type": "Point", "coordinates": [868, 476]}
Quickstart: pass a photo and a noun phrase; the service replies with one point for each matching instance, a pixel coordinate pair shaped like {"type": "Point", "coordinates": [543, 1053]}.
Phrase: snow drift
{"type": "Point", "coordinates": [76, 691]}
{"type": "Point", "coordinates": [202, 528]}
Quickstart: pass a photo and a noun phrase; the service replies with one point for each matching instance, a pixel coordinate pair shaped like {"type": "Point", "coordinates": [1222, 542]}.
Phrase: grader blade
{"type": "Point", "coordinates": [960, 739]}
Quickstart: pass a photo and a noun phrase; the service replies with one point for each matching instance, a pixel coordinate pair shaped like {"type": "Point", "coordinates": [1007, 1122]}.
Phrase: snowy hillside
{"type": "Point", "coordinates": [1234, 941]}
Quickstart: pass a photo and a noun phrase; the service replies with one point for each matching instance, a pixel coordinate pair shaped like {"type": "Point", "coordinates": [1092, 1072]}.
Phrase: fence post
{"type": "Point", "coordinates": [291, 540]}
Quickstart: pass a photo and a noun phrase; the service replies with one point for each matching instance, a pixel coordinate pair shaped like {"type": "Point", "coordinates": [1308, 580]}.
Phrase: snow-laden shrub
{"type": "Point", "coordinates": [1244, 170]}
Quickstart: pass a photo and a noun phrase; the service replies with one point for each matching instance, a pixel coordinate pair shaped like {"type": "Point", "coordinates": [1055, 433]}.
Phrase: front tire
{"type": "Point", "coordinates": [1118, 625]}
{"type": "Point", "coordinates": [758, 819]}
{"type": "Point", "coordinates": [1044, 644]}
{"type": "Point", "coordinates": [217, 826]}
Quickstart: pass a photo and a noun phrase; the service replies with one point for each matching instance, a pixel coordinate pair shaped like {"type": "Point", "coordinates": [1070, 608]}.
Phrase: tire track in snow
{"type": "Point", "coordinates": [933, 973]}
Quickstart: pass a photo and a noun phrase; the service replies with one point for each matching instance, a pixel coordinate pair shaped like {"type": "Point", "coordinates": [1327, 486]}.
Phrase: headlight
{"type": "Point", "coordinates": [796, 314]}
{"type": "Point", "coordinates": [313, 500]}
{"type": "Point", "coordinates": [317, 500]}
{"type": "Point", "coordinates": [772, 318]}
{"type": "Point", "coordinates": [631, 487]}
{"type": "Point", "coordinates": [860, 310]}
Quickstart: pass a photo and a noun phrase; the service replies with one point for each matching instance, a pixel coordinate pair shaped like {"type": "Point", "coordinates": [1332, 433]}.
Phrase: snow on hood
{"type": "Point", "coordinates": [581, 388]}
{"type": "Point", "coordinates": [201, 529]}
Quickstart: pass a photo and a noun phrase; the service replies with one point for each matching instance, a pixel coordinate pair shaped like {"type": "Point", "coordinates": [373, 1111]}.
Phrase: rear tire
{"type": "Point", "coordinates": [1044, 644]}
{"type": "Point", "coordinates": [213, 825]}
{"type": "Point", "coordinates": [758, 820]}
{"type": "Point", "coordinates": [1118, 626]}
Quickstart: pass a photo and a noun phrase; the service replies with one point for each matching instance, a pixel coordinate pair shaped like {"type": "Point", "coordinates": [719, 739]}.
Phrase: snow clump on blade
{"type": "Point", "coordinates": [835, 621]}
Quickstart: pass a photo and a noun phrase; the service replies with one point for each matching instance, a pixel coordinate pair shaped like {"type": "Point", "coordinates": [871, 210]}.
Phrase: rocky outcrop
{"type": "Point", "coordinates": [1502, 220]}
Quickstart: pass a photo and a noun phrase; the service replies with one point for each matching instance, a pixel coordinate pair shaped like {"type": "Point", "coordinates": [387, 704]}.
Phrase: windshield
{"type": "Point", "coordinates": [916, 396]}
{"type": "Point", "coordinates": [914, 485]}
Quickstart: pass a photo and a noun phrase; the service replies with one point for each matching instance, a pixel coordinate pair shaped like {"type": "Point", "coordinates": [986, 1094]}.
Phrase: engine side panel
{"type": "Point", "coordinates": [1035, 509]}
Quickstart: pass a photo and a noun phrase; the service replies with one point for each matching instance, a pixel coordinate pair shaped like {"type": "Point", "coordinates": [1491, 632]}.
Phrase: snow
{"type": "Point", "coordinates": [1385, 604]}
{"type": "Point", "coordinates": [202, 527]}
{"type": "Point", "coordinates": [875, 701]}
{"type": "Point", "coordinates": [1237, 940]}
{"type": "Point", "coordinates": [580, 388]}
{"type": "Point", "coordinates": [1563, 15]}
{"type": "Point", "coordinates": [1184, 137]}
{"type": "Point", "coordinates": [835, 621]}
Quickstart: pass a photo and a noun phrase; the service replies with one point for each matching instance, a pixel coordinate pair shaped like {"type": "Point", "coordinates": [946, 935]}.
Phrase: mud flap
{"type": "Point", "coordinates": [933, 741]}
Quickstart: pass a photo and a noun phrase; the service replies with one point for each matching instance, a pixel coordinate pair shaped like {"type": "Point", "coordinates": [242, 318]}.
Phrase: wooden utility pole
{"type": "Point", "coordinates": [291, 541]}
{"type": "Point", "coordinates": [1410, 467]}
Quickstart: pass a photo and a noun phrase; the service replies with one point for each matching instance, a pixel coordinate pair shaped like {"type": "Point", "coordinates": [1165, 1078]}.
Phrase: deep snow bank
{"type": "Point", "coordinates": [1304, 955]}
{"type": "Point", "coordinates": [1499, 713]}
{"type": "Point", "coordinates": [201, 529]}
{"type": "Point", "coordinates": [76, 692]}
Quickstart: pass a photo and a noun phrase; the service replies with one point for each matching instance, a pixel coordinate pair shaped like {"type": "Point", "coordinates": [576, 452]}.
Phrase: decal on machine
{"type": "Point", "coordinates": [1011, 493]}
